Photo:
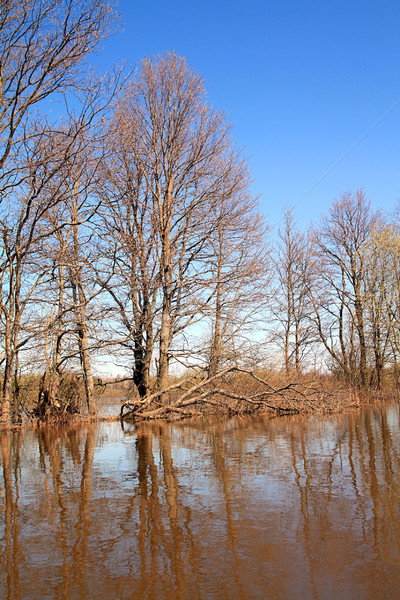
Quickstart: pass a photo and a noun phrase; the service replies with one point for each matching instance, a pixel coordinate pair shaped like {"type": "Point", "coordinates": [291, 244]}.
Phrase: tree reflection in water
{"type": "Point", "coordinates": [248, 508]}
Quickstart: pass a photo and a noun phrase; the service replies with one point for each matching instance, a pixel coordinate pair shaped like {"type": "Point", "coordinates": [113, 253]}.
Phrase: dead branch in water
{"type": "Point", "coordinates": [233, 390]}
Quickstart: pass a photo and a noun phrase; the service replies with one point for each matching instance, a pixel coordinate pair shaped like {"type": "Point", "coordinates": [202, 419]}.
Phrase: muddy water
{"type": "Point", "coordinates": [286, 508]}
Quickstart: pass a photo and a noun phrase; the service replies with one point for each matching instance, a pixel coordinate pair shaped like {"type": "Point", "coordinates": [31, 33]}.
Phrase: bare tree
{"type": "Point", "coordinates": [183, 163]}
{"type": "Point", "coordinates": [129, 268]}
{"type": "Point", "coordinates": [43, 46]}
{"type": "Point", "coordinates": [50, 202]}
{"type": "Point", "coordinates": [236, 276]}
{"type": "Point", "coordinates": [339, 295]}
{"type": "Point", "coordinates": [393, 296]}
{"type": "Point", "coordinates": [291, 303]}
{"type": "Point", "coordinates": [70, 292]}
{"type": "Point", "coordinates": [382, 300]}
{"type": "Point", "coordinates": [55, 331]}
{"type": "Point", "coordinates": [71, 248]}
{"type": "Point", "coordinates": [42, 50]}
{"type": "Point", "coordinates": [21, 239]}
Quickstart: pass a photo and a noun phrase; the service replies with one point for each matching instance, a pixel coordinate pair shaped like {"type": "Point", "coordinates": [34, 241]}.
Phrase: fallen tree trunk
{"type": "Point", "coordinates": [234, 391]}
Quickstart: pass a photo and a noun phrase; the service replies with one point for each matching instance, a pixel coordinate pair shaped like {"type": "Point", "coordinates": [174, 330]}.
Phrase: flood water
{"type": "Point", "coordinates": [297, 507]}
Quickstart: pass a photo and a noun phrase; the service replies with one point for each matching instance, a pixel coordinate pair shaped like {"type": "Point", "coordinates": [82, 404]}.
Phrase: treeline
{"type": "Point", "coordinates": [338, 293]}
{"type": "Point", "coordinates": [129, 232]}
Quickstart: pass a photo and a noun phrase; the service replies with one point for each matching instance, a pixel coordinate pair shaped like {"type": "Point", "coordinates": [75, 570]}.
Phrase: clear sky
{"type": "Point", "coordinates": [302, 82]}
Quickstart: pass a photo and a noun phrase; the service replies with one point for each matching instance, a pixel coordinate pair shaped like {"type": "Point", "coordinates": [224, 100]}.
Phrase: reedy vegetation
{"type": "Point", "coordinates": [128, 231]}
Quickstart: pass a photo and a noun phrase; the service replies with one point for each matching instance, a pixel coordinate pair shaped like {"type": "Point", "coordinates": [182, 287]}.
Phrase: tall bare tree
{"type": "Point", "coordinates": [129, 269]}
{"type": "Point", "coordinates": [183, 160]}
{"type": "Point", "coordinates": [236, 276]}
{"type": "Point", "coordinates": [43, 49]}
{"type": "Point", "coordinates": [71, 248]}
{"type": "Point", "coordinates": [21, 237]}
{"type": "Point", "coordinates": [291, 304]}
{"type": "Point", "coordinates": [340, 294]}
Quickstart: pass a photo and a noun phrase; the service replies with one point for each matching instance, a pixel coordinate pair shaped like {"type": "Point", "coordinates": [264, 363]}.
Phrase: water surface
{"type": "Point", "coordinates": [297, 507]}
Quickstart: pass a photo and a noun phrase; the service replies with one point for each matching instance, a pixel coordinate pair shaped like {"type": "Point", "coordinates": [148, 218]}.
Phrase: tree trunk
{"type": "Point", "coordinates": [12, 321]}
{"type": "Point", "coordinates": [297, 347]}
{"type": "Point", "coordinates": [361, 338]}
{"type": "Point", "coordinates": [142, 367]}
{"type": "Point", "coordinates": [86, 368]}
{"type": "Point", "coordinates": [81, 319]}
{"type": "Point", "coordinates": [55, 367]}
{"type": "Point", "coordinates": [215, 355]}
{"type": "Point", "coordinates": [166, 324]}
{"type": "Point", "coordinates": [165, 340]}
{"type": "Point", "coordinates": [7, 393]}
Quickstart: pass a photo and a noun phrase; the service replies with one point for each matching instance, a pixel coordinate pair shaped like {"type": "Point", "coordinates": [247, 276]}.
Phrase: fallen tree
{"type": "Point", "coordinates": [234, 391]}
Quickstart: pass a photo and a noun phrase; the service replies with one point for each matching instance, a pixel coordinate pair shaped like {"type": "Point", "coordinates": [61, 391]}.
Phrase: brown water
{"type": "Point", "coordinates": [298, 507]}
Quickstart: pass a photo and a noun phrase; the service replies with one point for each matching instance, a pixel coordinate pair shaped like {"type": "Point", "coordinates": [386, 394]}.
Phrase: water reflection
{"type": "Point", "coordinates": [286, 508]}
{"type": "Point", "coordinates": [11, 552]}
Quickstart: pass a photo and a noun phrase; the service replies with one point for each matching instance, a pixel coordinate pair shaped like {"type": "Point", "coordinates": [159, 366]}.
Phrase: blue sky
{"type": "Point", "coordinates": [302, 82]}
